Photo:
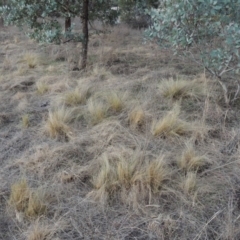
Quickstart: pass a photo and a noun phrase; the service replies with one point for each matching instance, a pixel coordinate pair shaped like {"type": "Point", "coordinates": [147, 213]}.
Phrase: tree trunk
{"type": "Point", "coordinates": [84, 19]}
{"type": "Point", "coordinates": [67, 23]}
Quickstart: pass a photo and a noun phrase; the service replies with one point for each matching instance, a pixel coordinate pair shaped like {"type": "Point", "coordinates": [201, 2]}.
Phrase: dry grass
{"type": "Point", "coordinates": [39, 231]}
{"type": "Point", "coordinates": [57, 124]}
{"type": "Point", "coordinates": [32, 59]}
{"type": "Point", "coordinates": [189, 182]}
{"type": "Point", "coordinates": [190, 160]}
{"type": "Point", "coordinates": [19, 196]}
{"type": "Point", "coordinates": [75, 97]}
{"type": "Point", "coordinates": [42, 88]}
{"type": "Point", "coordinates": [115, 101]}
{"type": "Point", "coordinates": [137, 117]}
{"type": "Point", "coordinates": [131, 177]}
{"type": "Point", "coordinates": [30, 202]}
{"type": "Point", "coordinates": [36, 203]}
{"type": "Point", "coordinates": [181, 88]}
{"type": "Point", "coordinates": [97, 110]}
{"type": "Point", "coordinates": [171, 125]}
{"type": "Point", "coordinates": [25, 121]}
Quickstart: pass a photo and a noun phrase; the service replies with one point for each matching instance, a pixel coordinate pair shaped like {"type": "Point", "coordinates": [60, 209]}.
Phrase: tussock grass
{"type": "Point", "coordinates": [36, 203]}
{"type": "Point", "coordinates": [115, 101]}
{"type": "Point", "coordinates": [19, 196]}
{"type": "Point", "coordinates": [171, 125]}
{"type": "Point", "coordinates": [189, 182]}
{"type": "Point", "coordinates": [57, 124]}
{"type": "Point", "coordinates": [97, 110]}
{"type": "Point", "coordinates": [40, 231]}
{"type": "Point", "coordinates": [127, 176]}
{"type": "Point", "coordinates": [75, 97]}
{"type": "Point", "coordinates": [30, 202]}
{"type": "Point", "coordinates": [32, 59]}
{"type": "Point", "coordinates": [42, 88]}
{"type": "Point", "coordinates": [181, 88]}
{"type": "Point", "coordinates": [137, 117]}
{"type": "Point", "coordinates": [190, 160]}
{"type": "Point", "coordinates": [25, 121]}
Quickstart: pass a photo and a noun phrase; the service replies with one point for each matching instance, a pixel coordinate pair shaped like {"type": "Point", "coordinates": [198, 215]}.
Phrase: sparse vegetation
{"type": "Point", "coordinates": [130, 148]}
{"type": "Point", "coordinates": [31, 59]}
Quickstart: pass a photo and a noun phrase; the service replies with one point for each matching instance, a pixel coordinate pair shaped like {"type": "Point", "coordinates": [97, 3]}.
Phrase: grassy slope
{"type": "Point", "coordinates": [129, 149]}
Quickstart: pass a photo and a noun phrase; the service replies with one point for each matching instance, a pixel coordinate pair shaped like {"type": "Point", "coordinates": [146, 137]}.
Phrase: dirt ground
{"type": "Point", "coordinates": [138, 146]}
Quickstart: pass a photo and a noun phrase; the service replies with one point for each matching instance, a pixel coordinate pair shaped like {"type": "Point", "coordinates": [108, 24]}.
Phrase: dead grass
{"type": "Point", "coordinates": [171, 125]}
{"type": "Point", "coordinates": [115, 101]}
{"type": "Point", "coordinates": [32, 59]}
{"type": "Point", "coordinates": [30, 202]}
{"type": "Point", "coordinates": [57, 124]}
{"type": "Point", "coordinates": [25, 121]}
{"type": "Point", "coordinates": [19, 197]}
{"type": "Point", "coordinates": [97, 110]}
{"type": "Point", "coordinates": [75, 97]}
{"type": "Point", "coordinates": [189, 182]}
{"type": "Point", "coordinates": [137, 117]}
{"type": "Point", "coordinates": [131, 177]}
{"type": "Point", "coordinates": [42, 88]}
{"type": "Point", "coordinates": [40, 231]}
{"type": "Point", "coordinates": [190, 160]}
{"type": "Point", "coordinates": [181, 88]}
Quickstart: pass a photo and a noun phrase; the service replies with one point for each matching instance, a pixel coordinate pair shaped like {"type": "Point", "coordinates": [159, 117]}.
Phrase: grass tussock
{"type": "Point", "coordinates": [128, 176]}
{"type": "Point", "coordinates": [32, 59]}
{"type": "Point", "coordinates": [25, 121]}
{"type": "Point", "coordinates": [75, 97]}
{"type": "Point", "coordinates": [189, 182]}
{"type": "Point", "coordinates": [40, 231]}
{"type": "Point", "coordinates": [30, 202]}
{"type": "Point", "coordinates": [137, 117]}
{"type": "Point", "coordinates": [171, 125]}
{"type": "Point", "coordinates": [57, 124]}
{"type": "Point", "coordinates": [115, 101]}
{"type": "Point", "coordinates": [181, 88]}
{"type": "Point", "coordinates": [97, 110]}
{"type": "Point", "coordinates": [42, 88]}
{"type": "Point", "coordinates": [190, 160]}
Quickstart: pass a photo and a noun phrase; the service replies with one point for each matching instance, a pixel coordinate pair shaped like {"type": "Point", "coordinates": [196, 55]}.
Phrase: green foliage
{"type": "Point", "coordinates": [42, 17]}
{"type": "Point", "coordinates": [211, 27]}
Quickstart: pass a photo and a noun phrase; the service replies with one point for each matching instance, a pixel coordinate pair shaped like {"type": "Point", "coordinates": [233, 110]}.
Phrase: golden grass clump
{"type": "Point", "coordinates": [190, 160]}
{"type": "Point", "coordinates": [137, 117]}
{"type": "Point", "coordinates": [36, 203]}
{"type": "Point", "coordinates": [189, 182]}
{"type": "Point", "coordinates": [97, 110]}
{"type": "Point", "coordinates": [75, 97]}
{"type": "Point", "coordinates": [25, 121]}
{"type": "Point", "coordinates": [171, 125]}
{"type": "Point", "coordinates": [19, 196]}
{"type": "Point", "coordinates": [39, 231]}
{"type": "Point", "coordinates": [181, 88]}
{"type": "Point", "coordinates": [127, 175]}
{"type": "Point", "coordinates": [32, 59]}
{"type": "Point", "coordinates": [57, 123]}
{"type": "Point", "coordinates": [42, 88]}
{"type": "Point", "coordinates": [115, 101]}
{"type": "Point", "coordinates": [30, 202]}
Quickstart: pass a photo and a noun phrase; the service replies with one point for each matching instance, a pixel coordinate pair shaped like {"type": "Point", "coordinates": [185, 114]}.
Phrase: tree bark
{"type": "Point", "coordinates": [84, 20]}
{"type": "Point", "coordinates": [67, 23]}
